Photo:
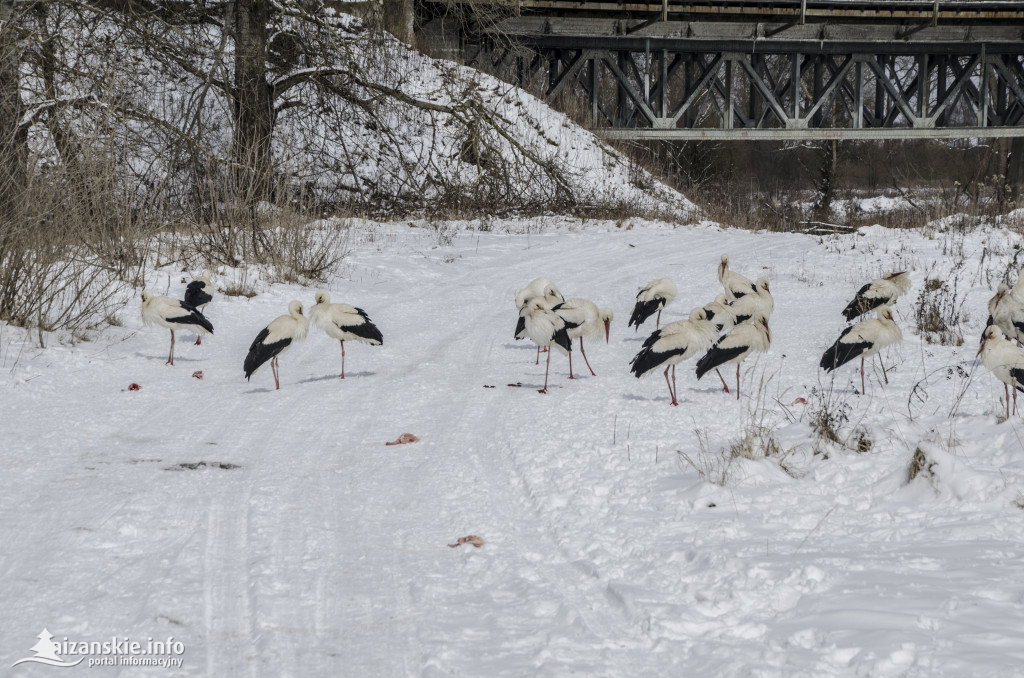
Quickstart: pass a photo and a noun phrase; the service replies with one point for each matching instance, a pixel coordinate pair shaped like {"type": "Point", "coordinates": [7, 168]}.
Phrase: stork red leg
{"type": "Point", "coordinates": [570, 362]}
{"type": "Point", "coordinates": [724, 385]}
{"type": "Point", "coordinates": [170, 357]}
{"type": "Point", "coordinates": [674, 401]}
{"type": "Point", "coordinates": [548, 367]}
{"type": "Point", "coordinates": [1014, 389]}
{"type": "Point", "coordinates": [671, 392]}
{"type": "Point", "coordinates": [199, 341]}
{"type": "Point", "coordinates": [1006, 399]}
{"type": "Point", "coordinates": [584, 358]}
{"type": "Point", "coordinates": [342, 358]}
{"type": "Point", "coordinates": [737, 381]}
{"type": "Point", "coordinates": [273, 368]}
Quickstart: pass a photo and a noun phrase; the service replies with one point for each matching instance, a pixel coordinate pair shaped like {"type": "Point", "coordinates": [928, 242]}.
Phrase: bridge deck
{"type": "Point", "coordinates": [778, 69]}
{"type": "Point", "coordinates": [955, 11]}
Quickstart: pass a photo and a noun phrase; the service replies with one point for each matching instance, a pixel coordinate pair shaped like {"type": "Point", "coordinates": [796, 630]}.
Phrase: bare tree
{"type": "Point", "coordinates": [13, 147]}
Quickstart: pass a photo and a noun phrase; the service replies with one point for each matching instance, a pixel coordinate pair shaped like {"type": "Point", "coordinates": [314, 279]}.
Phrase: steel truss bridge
{"type": "Point", "coordinates": [769, 69]}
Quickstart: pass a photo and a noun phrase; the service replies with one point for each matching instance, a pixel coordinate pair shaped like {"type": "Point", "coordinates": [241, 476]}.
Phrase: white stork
{"type": "Point", "coordinates": [672, 344]}
{"type": "Point", "coordinates": [1005, 361]}
{"type": "Point", "coordinates": [1006, 312]}
{"type": "Point", "coordinates": [584, 319]}
{"type": "Point", "coordinates": [735, 346]}
{"type": "Point", "coordinates": [735, 284]}
{"type": "Point", "coordinates": [172, 314]}
{"type": "Point", "coordinates": [760, 301]}
{"type": "Point", "coordinates": [198, 294]}
{"type": "Point", "coordinates": [862, 340]}
{"type": "Point", "coordinates": [539, 288]}
{"type": "Point", "coordinates": [344, 323]}
{"type": "Point", "coordinates": [274, 339]}
{"type": "Point", "coordinates": [544, 327]}
{"type": "Point", "coordinates": [655, 296]}
{"type": "Point", "coordinates": [882, 291]}
{"type": "Point", "coordinates": [721, 313]}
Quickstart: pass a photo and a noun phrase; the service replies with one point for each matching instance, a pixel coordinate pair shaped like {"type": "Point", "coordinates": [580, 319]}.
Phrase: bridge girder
{"type": "Point", "coordinates": [684, 79]}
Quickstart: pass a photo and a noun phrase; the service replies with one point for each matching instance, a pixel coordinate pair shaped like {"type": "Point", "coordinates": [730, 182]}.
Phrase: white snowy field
{"type": "Point", "coordinates": [323, 552]}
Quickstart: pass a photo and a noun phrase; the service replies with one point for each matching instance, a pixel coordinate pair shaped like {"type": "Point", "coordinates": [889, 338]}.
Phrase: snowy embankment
{"type": "Point", "coordinates": [305, 546]}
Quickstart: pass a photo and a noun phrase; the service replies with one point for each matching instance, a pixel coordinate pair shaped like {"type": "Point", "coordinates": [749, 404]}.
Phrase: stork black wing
{"type": "Point", "coordinates": [196, 294]}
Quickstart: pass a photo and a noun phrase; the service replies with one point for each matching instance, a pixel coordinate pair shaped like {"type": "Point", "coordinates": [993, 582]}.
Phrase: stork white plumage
{"type": "Point", "coordinates": [539, 288]}
{"type": "Point", "coordinates": [275, 339]}
{"type": "Point", "coordinates": [760, 301]}
{"type": "Point", "coordinates": [672, 344]}
{"type": "Point", "coordinates": [344, 323]}
{"type": "Point", "coordinates": [882, 291]}
{"type": "Point", "coordinates": [1005, 361]}
{"type": "Point", "coordinates": [734, 347]}
{"type": "Point", "coordinates": [545, 328]}
{"type": "Point", "coordinates": [720, 313]}
{"type": "Point", "coordinates": [735, 284]}
{"type": "Point", "coordinates": [198, 294]}
{"type": "Point", "coordinates": [723, 315]}
{"type": "Point", "coordinates": [863, 340]}
{"type": "Point", "coordinates": [172, 314]}
{"type": "Point", "coordinates": [584, 319]}
{"type": "Point", "coordinates": [654, 296]}
{"type": "Point", "coordinates": [1006, 311]}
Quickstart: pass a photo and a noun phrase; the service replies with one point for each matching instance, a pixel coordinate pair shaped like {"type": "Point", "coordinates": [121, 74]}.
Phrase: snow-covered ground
{"type": "Point", "coordinates": [306, 547]}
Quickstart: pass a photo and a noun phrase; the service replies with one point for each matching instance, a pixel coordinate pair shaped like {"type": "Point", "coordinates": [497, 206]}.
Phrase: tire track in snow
{"type": "Point", "coordinates": [229, 609]}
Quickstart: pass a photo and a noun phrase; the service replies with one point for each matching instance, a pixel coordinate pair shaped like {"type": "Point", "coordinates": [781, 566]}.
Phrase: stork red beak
{"type": "Point", "coordinates": [999, 298]}
{"type": "Point", "coordinates": [981, 348]}
{"type": "Point", "coordinates": [607, 330]}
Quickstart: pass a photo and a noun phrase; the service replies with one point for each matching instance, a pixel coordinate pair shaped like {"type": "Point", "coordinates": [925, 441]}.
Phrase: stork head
{"type": "Point", "coordinates": [322, 297]}
{"type": "Point", "coordinates": [146, 296]}
{"type": "Point", "coordinates": [1000, 293]}
{"type": "Point", "coordinates": [885, 313]}
{"type": "Point", "coordinates": [722, 299]}
{"type": "Point", "coordinates": [295, 308]}
{"type": "Point", "coordinates": [991, 333]}
{"type": "Point", "coordinates": [698, 314]}
{"type": "Point", "coordinates": [900, 280]}
{"type": "Point", "coordinates": [206, 276]}
{"type": "Point", "coordinates": [724, 265]}
{"type": "Point", "coordinates": [552, 294]}
{"type": "Point", "coordinates": [533, 305]}
{"type": "Point", "coordinates": [606, 316]}
{"type": "Point", "coordinates": [762, 284]}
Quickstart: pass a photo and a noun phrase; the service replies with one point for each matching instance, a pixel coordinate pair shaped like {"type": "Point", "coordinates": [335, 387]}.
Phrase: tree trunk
{"type": "Point", "coordinates": [253, 101]}
{"type": "Point", "coordinates": [398, 19]}
{"type": "Point", "coordinates": [825, 182]}
{"type": "Point", "coordinates": [13, 140]}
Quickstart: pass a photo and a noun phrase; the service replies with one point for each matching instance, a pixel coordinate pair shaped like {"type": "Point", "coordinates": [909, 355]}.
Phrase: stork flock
{"type": "Point", "coordinates": [724, 331]}
{"type": "Point", "coordinates": [721, 332]}
{"type": "Point", "coordinates": [338, 321]}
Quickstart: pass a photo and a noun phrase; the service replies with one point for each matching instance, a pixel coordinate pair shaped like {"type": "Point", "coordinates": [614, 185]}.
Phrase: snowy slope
{"type": "Point", "coordinates": [324, 552]}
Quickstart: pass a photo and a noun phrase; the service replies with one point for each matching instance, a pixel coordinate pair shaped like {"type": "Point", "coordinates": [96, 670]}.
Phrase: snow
{"type": "Point", "coordinates": [305, 546]}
